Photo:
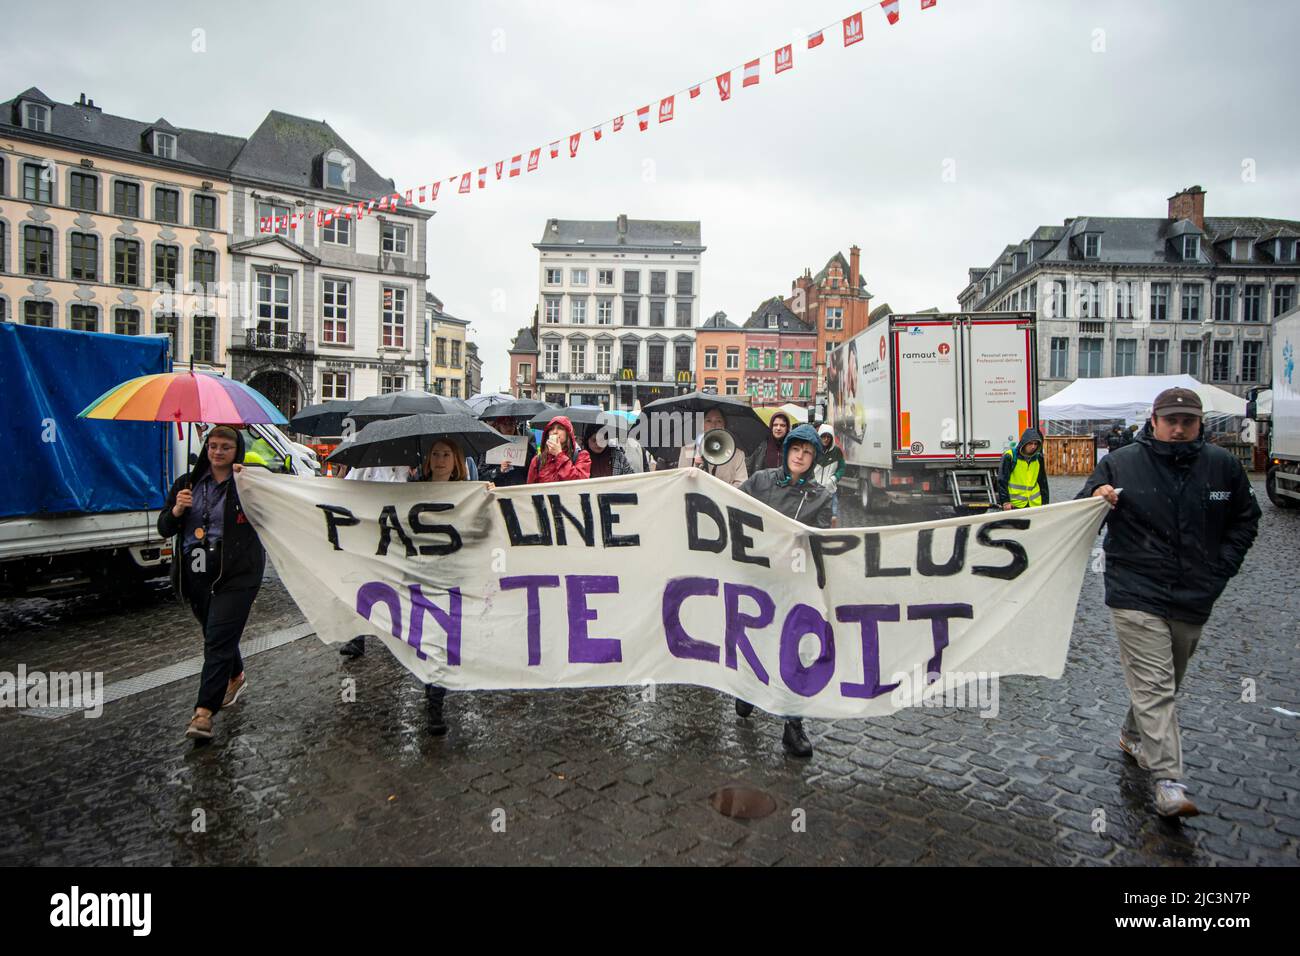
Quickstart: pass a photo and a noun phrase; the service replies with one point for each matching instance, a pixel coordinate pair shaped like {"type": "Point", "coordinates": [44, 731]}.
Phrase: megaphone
{"type": "Point", "coordinates": [717, 447]}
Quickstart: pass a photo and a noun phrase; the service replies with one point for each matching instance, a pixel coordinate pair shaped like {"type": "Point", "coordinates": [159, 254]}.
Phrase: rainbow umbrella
{"type": "Point", "coordinates": [184, 397]}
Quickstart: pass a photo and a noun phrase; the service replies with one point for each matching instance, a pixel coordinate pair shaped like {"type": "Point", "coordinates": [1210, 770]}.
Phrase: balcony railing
{"type": "Point", "coordinates": [269, 341]}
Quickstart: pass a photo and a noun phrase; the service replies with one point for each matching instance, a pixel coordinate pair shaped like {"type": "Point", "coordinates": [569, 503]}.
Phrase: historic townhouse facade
{"type": "Point", "coordinates": [780, 352]}
{"type": "Point", "coordinates": [720, 356]}
{"type": "Point", "coordinates": [1129, 296]}
{"type": "Point", "coordinates": [329, 310]}
{"type": "Point", "coordinates": [447, 351]}
{"type": "Point", "coordinates": [618, 305]}
{"type": "Point", "coordinates": [110, 224]}
{"type": "Point", "coordinates": [834, 302]}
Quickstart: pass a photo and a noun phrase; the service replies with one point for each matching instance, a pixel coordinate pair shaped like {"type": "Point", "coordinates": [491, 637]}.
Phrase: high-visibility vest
{"type": "Point", "coordinates": [1022, 486]}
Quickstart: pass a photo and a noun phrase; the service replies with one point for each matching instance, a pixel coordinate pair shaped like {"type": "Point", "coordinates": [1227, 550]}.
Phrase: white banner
{"type": "Point", "coordinates": [674, 578]}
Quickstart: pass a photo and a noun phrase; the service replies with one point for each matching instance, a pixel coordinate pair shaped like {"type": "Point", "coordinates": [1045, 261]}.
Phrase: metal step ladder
{"type": "Point", "coordinates": [972, 488]}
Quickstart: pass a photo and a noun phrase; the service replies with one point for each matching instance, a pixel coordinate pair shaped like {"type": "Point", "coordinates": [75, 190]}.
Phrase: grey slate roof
{"type": "Point", "coordinates": [718, 322]}
{"type": "Point", "coordinates": [844, 268]}
{"type": "Point", "coordinates": [287, 149]}
{"type": "Point", "coordinates": [642, 233]}
{"type": "Point", "coordinates": [524, 341]}
{"type": "Point", "coordinates": [787, 321]}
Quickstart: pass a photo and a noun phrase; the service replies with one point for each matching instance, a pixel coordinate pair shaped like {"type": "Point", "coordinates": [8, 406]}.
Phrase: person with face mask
{"type": "Point", "coordinates": [733, 470]}
{"type": "Point", "coordinates": [768, 454]}
{"type": "Point", "coordinates": [218, 567]}
{"type": "Point", "coordinates": [1183, 516]}
{"type": "Point", "coordinates": [793, 491]}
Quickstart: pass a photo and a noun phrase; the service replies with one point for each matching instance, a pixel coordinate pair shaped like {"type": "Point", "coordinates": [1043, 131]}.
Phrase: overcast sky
{"type": "Point", "coordinates": [849, 147]}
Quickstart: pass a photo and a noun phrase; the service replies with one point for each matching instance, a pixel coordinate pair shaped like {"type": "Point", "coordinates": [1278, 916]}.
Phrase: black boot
{"type": "Point", "coordinates": [433, 697]}
{"type": "Point", "coordinates": [743, 708]}
{"type": "Point", "coordinates": [796, 742]}
{"type": "Point", "coordinates": [355, 647]}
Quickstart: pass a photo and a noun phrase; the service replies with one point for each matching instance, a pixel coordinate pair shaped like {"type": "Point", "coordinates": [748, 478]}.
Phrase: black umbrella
{"type": "Point", "coordinates": [325, 418]}
{"type": "Point", "coordinates": [743, 422]}
{"type": "Point", "coordinates": [407, 440]}
{"type": "Point", "coordinates": [577, 415]}
{"type": "Point", "coordinates": [514, 408]}
{"type": "Point", "coordinates": [396, 404]}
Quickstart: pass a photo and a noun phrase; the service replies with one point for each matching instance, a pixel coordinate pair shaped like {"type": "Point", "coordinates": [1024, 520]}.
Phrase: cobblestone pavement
{"type": "Point", "coordinates": [603, 776]}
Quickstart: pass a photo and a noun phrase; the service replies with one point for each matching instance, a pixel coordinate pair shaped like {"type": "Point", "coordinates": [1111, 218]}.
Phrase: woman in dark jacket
{"type": "Point", "coordinates": [607, 459]}
{"type": "Point", "coordinates": [769, 453]}
{"type": "Point", "coordinates": [505, 475]}
{"type": "Point", "coordinates": [791, 490]}
{"type": "Point", "coordinates": [218, 567]}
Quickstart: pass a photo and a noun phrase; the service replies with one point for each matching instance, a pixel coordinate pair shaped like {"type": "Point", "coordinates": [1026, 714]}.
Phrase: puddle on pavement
{"type": "Point", "coordinates": [742, 803]}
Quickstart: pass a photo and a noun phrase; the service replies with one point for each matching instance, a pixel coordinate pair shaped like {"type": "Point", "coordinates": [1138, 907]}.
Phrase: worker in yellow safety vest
{"type": "Point", "coordinates": [1022, 480]}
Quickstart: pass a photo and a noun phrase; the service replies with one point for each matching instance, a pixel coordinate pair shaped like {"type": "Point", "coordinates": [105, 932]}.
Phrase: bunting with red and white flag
{"type": "Point", "coordinates": [815, 40]}
{"type": "Point", "coordinates": [724, 85]}
{"type": "Point", "coordinates": [501, 163]}
{"type": "Point", "coordinates": [891, 10]}
{"type": "Point", "coordinates": [927, 4]}
{"type": "Point", "coordinates": [573, 144]}
{"type": "Point", "coordinates": [482, 177]}
{"type": "Point", "coordinates": [433, 191]}
{"type": "Point", "coordinates": [666, 108]}
{"type": "Point", "coordinates": [595, 134]}
{"type": "Point", "coordinates": [533, 158]}
{"type": "Point", "coordinates": [618, 123]}
{"type": "Point", "coordinates": [464, 184]}
{"type": "Point", "coordinates": [751, 74]}
{"type": "Point", "coordinates": [853, 28]}
{"type": "Point", "coordinates": [514, 164]}
{"type": "Point", "coordinates": [695, 91]}
{"type": "Point", "coordinates": [555, 149]}
{"type": "Point", "coordinates": [643, 117]}
{"type": "Point", "coordinates": [784, 59]}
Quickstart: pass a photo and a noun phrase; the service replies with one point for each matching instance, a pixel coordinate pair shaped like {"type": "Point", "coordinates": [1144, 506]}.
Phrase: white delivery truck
{"type": "Point", "coordinates": [924, 405]}
{"type": "Point", "coordinates": [1283, 476]}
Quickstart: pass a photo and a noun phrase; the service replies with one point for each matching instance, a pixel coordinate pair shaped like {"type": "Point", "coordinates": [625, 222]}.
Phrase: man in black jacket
{"type": "Point", "coordinates": [218, 566]}
{"type": "Point", "coordinates": [1184, 516]}
{"type": "Point", "coordinates": [791, 490]}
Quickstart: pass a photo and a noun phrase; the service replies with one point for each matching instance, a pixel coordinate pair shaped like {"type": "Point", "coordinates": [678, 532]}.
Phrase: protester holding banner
{"type": "Point", "coordinates": [560, 458]}
{"type": "Point", "coordinates": [793, 491]}
{"type": "Point", "coordinates": [606, 458]}
{"type": "Point", "coordinates": [218, 568]}
{"type": "Point", "coordinates": [768, 454]}
{"type": "Point", "coordinates": [732, 471]}
{"type": "Point", "coordinates": [506, 475]}
{"type": "Point", "coordinates": [1183, 517]}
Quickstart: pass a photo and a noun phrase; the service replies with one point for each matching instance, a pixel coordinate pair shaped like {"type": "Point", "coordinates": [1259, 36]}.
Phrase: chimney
{"type": "Point", "coordinates": [854, 253]}
{"type": "Point", "coordinates": [622, 224]}
{"type": "Point", "coordinates": [1188, 204]}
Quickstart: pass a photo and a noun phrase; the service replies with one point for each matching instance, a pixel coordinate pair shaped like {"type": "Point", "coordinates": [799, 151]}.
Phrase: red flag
{"type": "Point", "coordinates": [724, 85]}
{"type": "Point", "coordinates": [573, 144]}
{"type": "Point", "coordinates": [433, 191]}
{"type": "Point", "coordinates": [751, 74]}
{"type": "Point", "coordinates": [853, 28]}
{"type": "Point", "coordinates": [383, 203]}
{"type": "Point", "coordinates": [784, 59]}
{"type": "Point", "coordinates": [514, 164]}
{"type": "Point", "coordinates": [643, 117]}
{"type": "Point", "coordinates": [464, 183]}
{"type": "Point", "coordinates": [666, 108]}
{"type": "Point", "coordinates": [891, 10]}
{"type": "Point", "coordinates": [410, 197]}
{"type": "Point", "coordinates": [533, 158]}
{"type": "Point", "coordinates": [500, 165]}
{"type": "Point", "coordinates": [555, 149]}
{"type": "Point", "coordinates": [482, 177]}
{"type": "Point", "coordinates": [596, 134]}
{"type": "Point", "coordinates": [695, 91]}
{"type": "Point", "coordinates": [618, 123]}
{"type": "Point", "coordinates": [927, 4]}
{"type": "Point", "coordinates": [815, 39]}
{"type": "Point", "coordinates": [423, 195]}
{"type": "Point", "coordinates": [265, 224]}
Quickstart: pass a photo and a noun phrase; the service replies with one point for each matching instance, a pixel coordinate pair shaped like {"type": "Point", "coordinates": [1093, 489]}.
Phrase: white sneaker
{"type": "Point", "coordinates": [1133, 747]}
{"type": "Point", "coordinates": [1172, 801]}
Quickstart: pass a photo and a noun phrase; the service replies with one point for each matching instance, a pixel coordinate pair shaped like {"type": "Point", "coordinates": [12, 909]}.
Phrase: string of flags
{"type": "Point", "coordinates": [851, 29]}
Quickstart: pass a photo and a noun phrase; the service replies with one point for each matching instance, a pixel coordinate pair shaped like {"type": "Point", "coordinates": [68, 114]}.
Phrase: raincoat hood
{"type": "Point", "coordinates": [567, 425]}
{"type": "Point", "coordinates": [804, 433]}
{"type": "Point", "coordinates": [1028, 435]}
{"type": "Point", "coordinates": [203, 466]}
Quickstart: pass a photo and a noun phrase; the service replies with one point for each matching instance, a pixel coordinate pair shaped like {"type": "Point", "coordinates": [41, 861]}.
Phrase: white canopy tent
{"type": "Point", "coordinates": [1129, 397]}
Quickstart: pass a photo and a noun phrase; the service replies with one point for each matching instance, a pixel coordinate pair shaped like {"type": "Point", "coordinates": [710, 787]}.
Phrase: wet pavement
{"type": "Point", "coordinates": [298, 775]}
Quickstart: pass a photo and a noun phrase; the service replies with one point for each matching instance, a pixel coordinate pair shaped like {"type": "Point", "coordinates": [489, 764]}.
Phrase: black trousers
{"type": "Point", "coordinates": [223, 615]}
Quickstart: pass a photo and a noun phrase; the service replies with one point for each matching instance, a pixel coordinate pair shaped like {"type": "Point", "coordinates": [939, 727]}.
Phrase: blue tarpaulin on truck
{"type": "Point", "coordinates": [57, 463]}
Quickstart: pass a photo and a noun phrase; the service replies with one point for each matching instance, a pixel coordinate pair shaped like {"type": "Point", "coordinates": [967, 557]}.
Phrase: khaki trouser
{"type": "Point", "coordinates": [1155, 652]}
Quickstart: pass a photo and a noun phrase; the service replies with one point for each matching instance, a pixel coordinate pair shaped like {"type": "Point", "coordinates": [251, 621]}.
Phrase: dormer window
{"type": "Point", "coordinates": [1191, 248]}
{"type": "Point", "coordinates": [338, 171]}
{"type": "Point", "coordinates": [36, 117]}
{"type": "Point", "coordinates": [164, 145]}
{"type": "Point", "coordinates": [1286, 250]}
{"type": "Point", "coordinates": [1241, 250]}
{"type": "Point", "coordinates": [1091, 245]}
{"type": "Point", "coordinates": [771, 321]}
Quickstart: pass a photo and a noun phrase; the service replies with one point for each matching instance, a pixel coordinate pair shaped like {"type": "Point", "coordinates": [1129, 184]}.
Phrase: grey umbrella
{"type": "Point", "coordinates": [743, 422]}
{"type": "Point", "coordinates": [514, 408]}
{"type": "Point", "coordinates": [407, 440]}
{"type": "Point", "coordinates": [410, 402]}
{"type": "Point", "coordinates": [325, 418]}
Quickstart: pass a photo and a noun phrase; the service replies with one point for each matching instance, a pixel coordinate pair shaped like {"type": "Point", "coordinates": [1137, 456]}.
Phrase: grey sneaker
{"type": "Point", "coordinates": [234, 689]}
{"type": "Point", "coordinates": [1172, 801]}
{"type": "Point", "coordinates": [1133, 747]}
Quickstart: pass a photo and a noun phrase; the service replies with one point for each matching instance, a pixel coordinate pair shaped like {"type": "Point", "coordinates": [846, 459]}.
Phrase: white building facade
{"type": "Point", "coordinates": [618, 306]}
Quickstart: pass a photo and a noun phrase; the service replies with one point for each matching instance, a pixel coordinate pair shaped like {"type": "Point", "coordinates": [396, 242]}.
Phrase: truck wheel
{"type": "Point", "coordinates": [872, 498]}
{"type": "Point", "coordinates": [1270, 485]}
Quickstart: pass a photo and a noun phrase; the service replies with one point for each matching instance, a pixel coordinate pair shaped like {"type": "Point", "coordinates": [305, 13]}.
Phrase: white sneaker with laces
{"type": "Point", "coordinates": [1172, 801]}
